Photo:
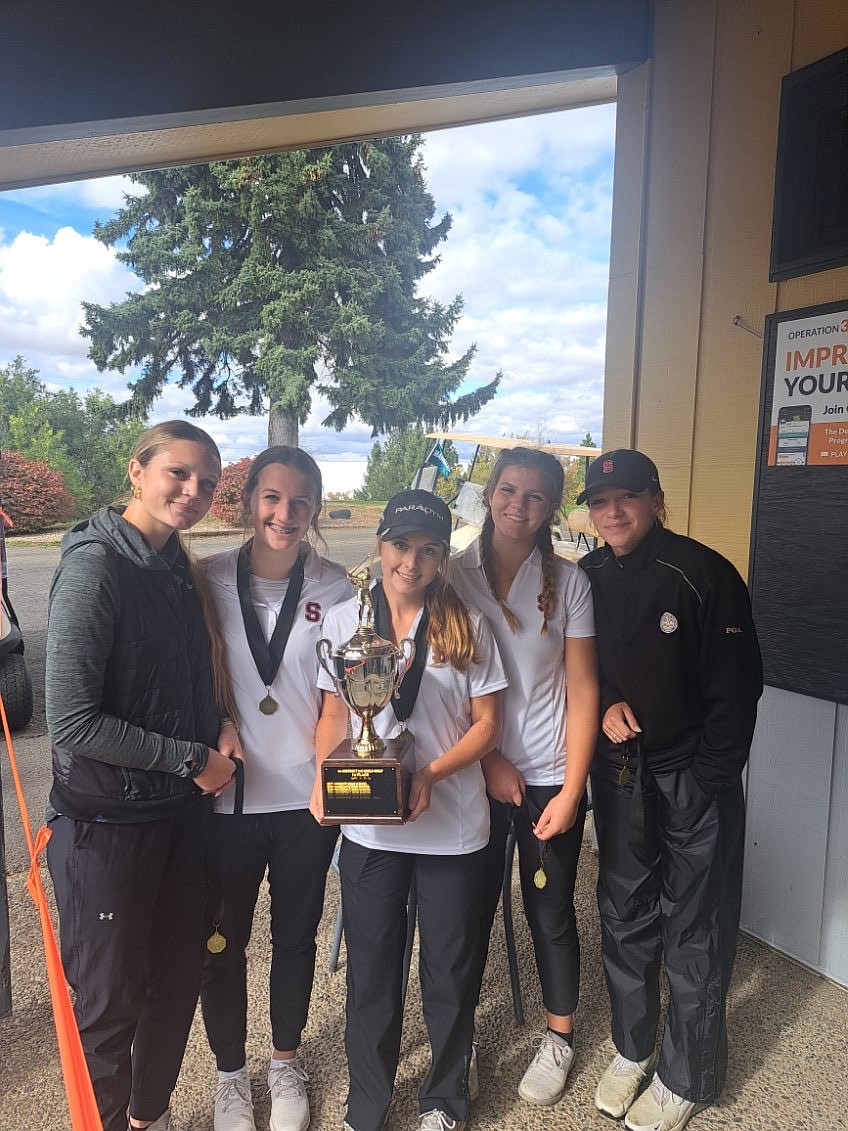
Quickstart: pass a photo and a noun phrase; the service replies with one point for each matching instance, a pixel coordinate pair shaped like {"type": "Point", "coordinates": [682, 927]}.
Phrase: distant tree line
{"type": "Point", "coordinates": [63, 455]}
{"type": "Point", "coordinates": [393, 463]}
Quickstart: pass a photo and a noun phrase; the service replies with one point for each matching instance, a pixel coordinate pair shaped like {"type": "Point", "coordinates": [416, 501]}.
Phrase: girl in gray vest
{"type": "Point", "coordinates": [139, 743]}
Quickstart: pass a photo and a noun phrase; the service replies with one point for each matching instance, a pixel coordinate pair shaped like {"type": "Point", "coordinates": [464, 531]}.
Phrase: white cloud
{"type": "Point", "coordinates": [42, 283]}
{"type": "Point", "coordinates": [528, 250]}
{"type": "Point", "coordinates": [478, 160]}
{"type": "Point", "coordinates": [531, 202]}
{"type": "Point", "coordinates": [104, 193]}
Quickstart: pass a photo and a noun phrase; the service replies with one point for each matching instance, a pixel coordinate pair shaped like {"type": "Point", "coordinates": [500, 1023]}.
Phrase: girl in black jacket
{"type": "Point", "coordinates": [680, 679]}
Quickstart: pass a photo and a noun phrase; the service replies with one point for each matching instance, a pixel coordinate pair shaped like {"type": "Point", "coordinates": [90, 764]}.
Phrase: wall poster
{"type": "Point", "coordinates": [809, 415]}
{"type": "Point", "coordinates": [799, 534]}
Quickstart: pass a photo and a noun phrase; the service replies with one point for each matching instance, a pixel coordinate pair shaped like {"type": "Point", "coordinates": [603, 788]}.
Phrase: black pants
{"type": "Point", "coordinates": [375, 886]}
{"type": "Point", "coordinates": [131, 916]}
{"type": "Point", "coordinates": [669, 890]}
{"type": "Point", "coordinates": [550, 910]}
{"type": "Point", "coordinates": [296, 851]}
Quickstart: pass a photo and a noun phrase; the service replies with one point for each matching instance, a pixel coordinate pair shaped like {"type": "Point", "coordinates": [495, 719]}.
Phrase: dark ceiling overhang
{"type": "Point", "coordinates": [92, 87]}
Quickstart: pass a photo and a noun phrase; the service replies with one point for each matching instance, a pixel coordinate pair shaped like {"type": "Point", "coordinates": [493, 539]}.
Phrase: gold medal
{"type": "Point", "coordinates": [624, 776]}
{"type": "Point", "coordinates": [216, 942]}
{"type": "Point", "coordinates": [268, 705]}
{"type": "Point", "coordinates": [539, 877]}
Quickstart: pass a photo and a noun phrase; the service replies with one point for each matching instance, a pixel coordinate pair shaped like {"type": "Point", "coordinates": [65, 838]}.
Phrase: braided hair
{"type": "Point", "coordinates": [551, 469]}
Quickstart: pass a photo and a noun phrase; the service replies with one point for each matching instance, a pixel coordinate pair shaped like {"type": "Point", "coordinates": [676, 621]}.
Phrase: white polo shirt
{"type": "Point", "coordinates": [534, 726]}
{"type": "Point", "coordinates": [457, 821]}
{"type": "Point", "coordinates": [279, 749]}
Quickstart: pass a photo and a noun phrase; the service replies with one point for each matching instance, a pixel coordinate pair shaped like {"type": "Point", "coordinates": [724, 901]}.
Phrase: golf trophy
{"type": "Point", "coordinates": [365, 780]}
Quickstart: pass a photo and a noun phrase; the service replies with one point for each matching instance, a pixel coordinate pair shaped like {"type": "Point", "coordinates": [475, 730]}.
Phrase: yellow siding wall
{"type": "Point", "coordinates": [702, 237]}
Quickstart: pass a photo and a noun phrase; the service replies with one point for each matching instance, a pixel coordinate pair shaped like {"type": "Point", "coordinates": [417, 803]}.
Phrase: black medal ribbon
{"type": "Point", "coordinates": [403, 701]}
{"type": "Point", "coordinates": [267, 655]}
{"type": "Point", "coordinates": [217, 942]}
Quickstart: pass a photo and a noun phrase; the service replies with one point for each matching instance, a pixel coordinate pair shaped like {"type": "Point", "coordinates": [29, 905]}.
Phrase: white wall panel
{"type": "Point", "coordinates": [834, 948]}
{"type": "Point", "coordinates": [786, 841]}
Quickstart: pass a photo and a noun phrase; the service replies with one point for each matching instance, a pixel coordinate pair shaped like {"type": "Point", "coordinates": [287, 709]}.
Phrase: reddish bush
{"type": "Point", "coordinates": [227, 502]}
{"type": "Point", "coordinates": [34, 495]}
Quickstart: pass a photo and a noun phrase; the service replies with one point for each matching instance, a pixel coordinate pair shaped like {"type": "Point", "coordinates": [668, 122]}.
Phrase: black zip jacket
{"type": "Point", "coordinates": [676, 641]}
{"type": "Point", "coordinates": [130, 704]}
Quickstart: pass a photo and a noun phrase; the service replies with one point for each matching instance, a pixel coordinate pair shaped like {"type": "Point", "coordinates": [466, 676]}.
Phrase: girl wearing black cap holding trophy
{"type": "Point", "coordinates": [450, 700]}
{"type": "Point", "coordinates": [540, 609]}
{"type": "Point", "coordinates": [271, 595]}
{"type": "Point", "coordinates": [680, 680]}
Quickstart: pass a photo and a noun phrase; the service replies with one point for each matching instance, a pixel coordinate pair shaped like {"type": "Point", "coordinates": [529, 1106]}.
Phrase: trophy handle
{"type": "Point", "coordinates": [324, 650]}
{"type": "Point", "coordinates": [406, 647]}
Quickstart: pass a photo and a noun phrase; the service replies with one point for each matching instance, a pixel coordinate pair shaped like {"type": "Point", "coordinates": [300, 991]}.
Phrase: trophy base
{"type": "Point", "coordinates": [367, 791]}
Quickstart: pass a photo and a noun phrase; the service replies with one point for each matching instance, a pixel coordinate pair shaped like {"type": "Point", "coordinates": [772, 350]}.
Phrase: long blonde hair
{"type": "Point", "coordinates": [450, 632]}
{"type": "Point", "coordinates": [551, 469]}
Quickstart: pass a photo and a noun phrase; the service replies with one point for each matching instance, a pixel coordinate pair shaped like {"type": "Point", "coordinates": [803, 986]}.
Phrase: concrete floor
{"type": "Point", "coordinates": [788, 1033]}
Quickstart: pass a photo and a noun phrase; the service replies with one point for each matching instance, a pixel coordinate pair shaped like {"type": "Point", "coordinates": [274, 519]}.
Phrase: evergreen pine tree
{"type": "Point", "coordinates": [270, 275]}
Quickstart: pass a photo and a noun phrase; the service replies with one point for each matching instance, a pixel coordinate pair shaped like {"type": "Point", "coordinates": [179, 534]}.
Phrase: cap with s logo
{"type": "Point", "coordinates": [623, 467]}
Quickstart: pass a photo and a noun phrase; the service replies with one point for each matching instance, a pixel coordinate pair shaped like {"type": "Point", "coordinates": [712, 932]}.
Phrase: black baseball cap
{"type": "Point", "coordinates": [620, 468]}
{"type": "Point", "coordinates": [416, 510]}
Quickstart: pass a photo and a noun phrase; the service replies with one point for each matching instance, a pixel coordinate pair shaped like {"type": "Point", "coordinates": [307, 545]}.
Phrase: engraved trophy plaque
{"type": "Point", "coordinates": [365, 780]}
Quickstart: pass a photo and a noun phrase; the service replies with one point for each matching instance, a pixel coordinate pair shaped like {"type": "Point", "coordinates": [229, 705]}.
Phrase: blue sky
{"type": "Point", "coordinates": [529, 251]}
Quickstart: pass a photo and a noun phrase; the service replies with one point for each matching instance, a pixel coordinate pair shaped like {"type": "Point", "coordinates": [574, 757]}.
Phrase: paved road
{"type": "Point", "coordinates": [31, 569]}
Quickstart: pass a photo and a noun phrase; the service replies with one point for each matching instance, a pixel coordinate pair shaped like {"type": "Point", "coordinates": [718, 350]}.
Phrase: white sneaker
{"type": "Point", "coordinates": [473, 1078]}
{"type": "Point", "coordinates": [289, 1102]}
{"type": "Point", "coordinates": [437, 1120]}
{"type": "Point", "coordinates": [544, 1081]}
{"type": "Point", "coordinates": [233, 1103]}
{"type": "Point", "coordinates": [619, 1086]}
{"type": "Point", "coordinates": [163, 1123]}
{"type": "Point", "coordinates": [660, 1109]}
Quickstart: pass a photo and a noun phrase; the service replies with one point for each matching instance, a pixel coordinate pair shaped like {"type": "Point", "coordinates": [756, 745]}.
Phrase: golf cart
{"type": "Point", "coordinates": [468, 508]}
{"type": "Point", "coordinates": [15, 683]}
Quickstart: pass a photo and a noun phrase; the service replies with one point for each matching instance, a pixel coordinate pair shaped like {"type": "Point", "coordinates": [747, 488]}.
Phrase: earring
{"type": "Point", "coordinates": [136, 493]}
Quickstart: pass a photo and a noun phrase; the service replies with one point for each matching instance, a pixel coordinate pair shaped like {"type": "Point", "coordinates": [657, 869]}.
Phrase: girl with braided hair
{"type": "Point", "coordinates": [540, 610]}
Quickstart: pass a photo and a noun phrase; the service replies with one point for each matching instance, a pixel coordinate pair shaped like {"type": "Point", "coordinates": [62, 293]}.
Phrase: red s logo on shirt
{"type": "Point", "coordinates": [313, 611]}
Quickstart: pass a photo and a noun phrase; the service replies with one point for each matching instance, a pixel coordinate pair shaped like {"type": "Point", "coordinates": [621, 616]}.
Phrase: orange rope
{"type": "Point", "coordinates": [81, 1102]}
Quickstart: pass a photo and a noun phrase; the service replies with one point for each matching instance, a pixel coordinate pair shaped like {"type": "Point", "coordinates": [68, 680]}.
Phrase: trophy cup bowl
{"type": "Point", "coordinates": [365, 780]}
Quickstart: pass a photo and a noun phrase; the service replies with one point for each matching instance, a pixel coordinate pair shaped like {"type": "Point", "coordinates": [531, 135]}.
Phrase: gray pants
{"type": "Point", "coordinates": [669, 891]}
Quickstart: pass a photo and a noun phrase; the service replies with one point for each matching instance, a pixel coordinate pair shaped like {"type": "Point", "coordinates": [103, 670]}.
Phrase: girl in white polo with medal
{"type": "Point", "coordinates": [451, 704]}
{"type": "Point", "coordinates": [271, 596]}
{"type": "Point", "coordinates": [540, 609]}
